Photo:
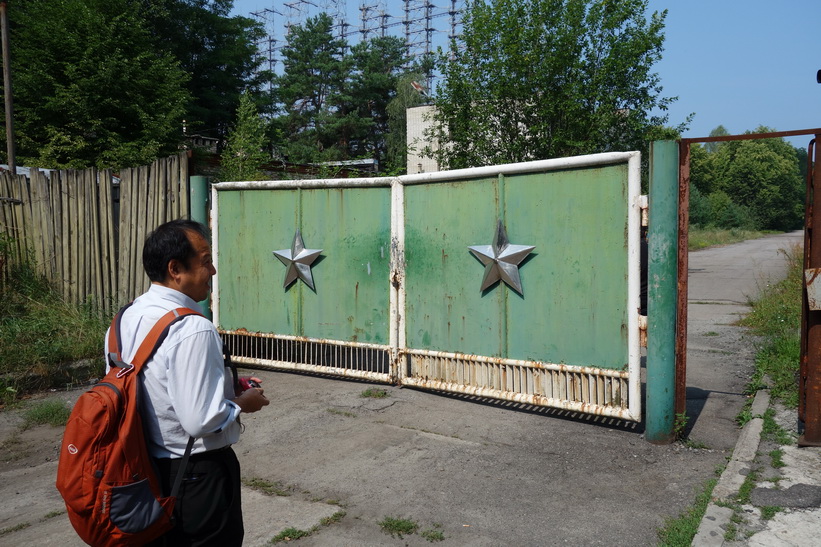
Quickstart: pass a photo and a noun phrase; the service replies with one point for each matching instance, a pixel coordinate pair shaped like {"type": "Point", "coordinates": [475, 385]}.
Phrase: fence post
{"type": "Point", "coordinates": [662, 282]}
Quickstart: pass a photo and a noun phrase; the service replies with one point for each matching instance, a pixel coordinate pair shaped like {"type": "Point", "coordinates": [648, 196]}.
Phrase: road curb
{"type": "Point", "coordinates": [716, 518]}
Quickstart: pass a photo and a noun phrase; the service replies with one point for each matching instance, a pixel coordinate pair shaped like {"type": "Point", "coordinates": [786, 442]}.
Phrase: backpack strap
{"type": "Point", "coordinates": [151, 342]}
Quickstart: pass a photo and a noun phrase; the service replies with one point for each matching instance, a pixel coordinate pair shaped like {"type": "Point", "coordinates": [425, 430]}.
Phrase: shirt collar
{"type": "Point", "coordinates": [172, 295]}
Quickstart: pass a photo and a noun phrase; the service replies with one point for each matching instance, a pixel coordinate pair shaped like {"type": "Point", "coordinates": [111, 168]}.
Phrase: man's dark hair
{"type": "Point", "coordinates": [169, 242]}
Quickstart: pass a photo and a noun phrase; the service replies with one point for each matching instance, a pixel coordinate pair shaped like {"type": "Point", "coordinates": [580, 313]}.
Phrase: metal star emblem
{"type": "Point", "coordinates": [501, 260]}
{"type": "Point", "coordinates": [298, 260]}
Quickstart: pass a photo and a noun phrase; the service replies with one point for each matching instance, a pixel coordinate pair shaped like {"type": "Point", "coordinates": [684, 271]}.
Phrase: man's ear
{"type": "Point", "coordinates": [173, 269]}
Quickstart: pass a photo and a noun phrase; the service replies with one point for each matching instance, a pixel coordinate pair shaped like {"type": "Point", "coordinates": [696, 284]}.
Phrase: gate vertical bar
{"type": "Point", "coordinates": [661, 287]}
{"type": "Point", "coordinates": [397, 280]}
{"type": "Point", "coordinates": [812, 378]}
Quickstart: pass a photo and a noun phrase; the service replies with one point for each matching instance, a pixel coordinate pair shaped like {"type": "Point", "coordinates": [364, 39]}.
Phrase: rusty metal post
{"type": "Point", "coordinates": [683, 265]}
{"type": "Point", "coordinates": [810, 381]}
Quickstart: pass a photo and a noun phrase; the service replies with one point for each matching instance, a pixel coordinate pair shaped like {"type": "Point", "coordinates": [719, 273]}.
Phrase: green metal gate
{"type": "Point", "coordinates": [518, 282]}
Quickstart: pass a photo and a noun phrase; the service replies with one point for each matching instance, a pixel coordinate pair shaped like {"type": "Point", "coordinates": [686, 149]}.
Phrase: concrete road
{"type": "Point", "coordinates": [477, 472]}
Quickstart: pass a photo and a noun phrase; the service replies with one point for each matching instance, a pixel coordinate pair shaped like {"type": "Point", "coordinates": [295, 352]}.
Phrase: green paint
{"type": "Point", "coordinates": [662, 281]}
{"type": "Point", "coordinates": [198, 193]}
{"type": "Point", "coordinates": [351, 226]}
{"type": "Point", "coordinates": [574, 305]}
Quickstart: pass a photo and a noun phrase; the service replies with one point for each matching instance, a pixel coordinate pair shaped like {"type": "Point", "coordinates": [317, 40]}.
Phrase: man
{"type": "Point", "coordinates": [186, 391]}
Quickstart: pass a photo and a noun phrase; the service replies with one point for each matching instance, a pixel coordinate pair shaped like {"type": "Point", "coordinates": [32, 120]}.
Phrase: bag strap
{"type": "Point", "coordinates": [149, 345]}
{"type": "Point", "coordinates": [151, 342]}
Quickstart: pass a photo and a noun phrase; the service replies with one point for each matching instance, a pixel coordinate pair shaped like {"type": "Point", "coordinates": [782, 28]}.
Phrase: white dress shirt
{"type": "Point", "coordinates": [186, 389]}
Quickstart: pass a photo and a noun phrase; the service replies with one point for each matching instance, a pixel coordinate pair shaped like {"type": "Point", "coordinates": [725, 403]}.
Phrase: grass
{"type": "Point", "coordinates": [679, 532]}
{"type": "Point", "coordinates": [291, 534]}
{"type": "Point", "coordinates": [398, 527]}
{"type": "Point", "coordinates": [776, 318]}
{"type": "Point", "coordinates": [52, 412]}
{"type": "Point", "coordinates": [266, 487]}
{"type": "Point", "coordinates": [42, 335]}
{"type": "Point", "coordinates": [342, 413]}
{"type": "Point", "coordinates": [16, 528]}
{"type": "Point", "coordinates": [375, 393]}
{"type": "Point", "coordinates": [701, 238]}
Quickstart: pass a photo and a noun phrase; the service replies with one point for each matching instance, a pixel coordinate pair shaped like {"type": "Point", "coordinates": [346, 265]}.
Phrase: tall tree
{"type": "Point", "coordinates": [90, 87]}
{"type": "Point", "coordinates": [245, 152]}
{"type": "Point", "coordinates": [217, 51]}
{"type": "Point", "coordinates": [396, 137]}
{"type": "Point", "coordinates": [309, 91]}
{"type": "Point", "coordinates": [377, 65]}
{"type": "Point", "coordinates": [750, 183]}
{"type": "Point", "coordinates": [537, 79]}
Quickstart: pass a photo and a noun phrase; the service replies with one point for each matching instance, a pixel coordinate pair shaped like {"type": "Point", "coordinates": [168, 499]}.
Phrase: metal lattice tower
{"type": "Point", "coordinates": [419, 22]}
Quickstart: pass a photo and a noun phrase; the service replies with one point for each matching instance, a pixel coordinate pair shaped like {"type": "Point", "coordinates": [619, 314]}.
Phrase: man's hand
{"type": "Point", "coordinates": [251, 400]}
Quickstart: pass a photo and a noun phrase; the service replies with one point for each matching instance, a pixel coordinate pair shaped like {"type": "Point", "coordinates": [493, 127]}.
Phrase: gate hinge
{"type": "Point", "coordinates": [643, 331]}
{"type": "Point", "coordinates": [643, 206]}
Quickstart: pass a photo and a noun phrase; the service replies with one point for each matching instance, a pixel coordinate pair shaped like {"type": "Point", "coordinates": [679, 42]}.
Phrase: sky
{"type": "Point", "coordinates": [736, 63]}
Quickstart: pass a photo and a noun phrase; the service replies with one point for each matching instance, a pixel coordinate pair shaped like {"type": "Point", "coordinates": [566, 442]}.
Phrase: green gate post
{"type": "Point", "coordinates": [198, 196]}
{"type": "Point", "coordinates": [662, 282]}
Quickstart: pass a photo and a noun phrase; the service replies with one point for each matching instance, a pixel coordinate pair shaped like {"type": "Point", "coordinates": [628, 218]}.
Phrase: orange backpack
{"type": "Point", "coordinates": [105, 475]}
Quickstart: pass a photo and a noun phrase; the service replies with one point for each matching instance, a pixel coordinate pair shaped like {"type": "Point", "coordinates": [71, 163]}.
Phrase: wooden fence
{"type": "Point", "coordinates": [85, 229]}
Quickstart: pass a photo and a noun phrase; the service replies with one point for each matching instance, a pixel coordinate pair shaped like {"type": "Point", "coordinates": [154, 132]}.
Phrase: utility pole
{"type": "Point", "coordinates": [9, 101]}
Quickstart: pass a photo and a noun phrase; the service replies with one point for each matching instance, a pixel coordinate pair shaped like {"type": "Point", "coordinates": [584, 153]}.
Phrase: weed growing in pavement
{"type": "Point", "coordinates": [776, 458]}
{"type": "Point", "coordinates": [290, 534]}
{"type": "Point", "coordinates": [433, 534]}
{"type": "Point", "coordinates": [681, 531]}
{"type": "Point", "coordinates": [267, 487]}
{"type": "Point", "coordinates": [375, 393]}
{"type": "Point", "coordinates": [51, 412]}
{"type": "Point", "coordinates": [398, 527]}
{"type": "Point", "coordinates": [771, 431]}
{"type": "Point", "coordinates": [342, 413]}
{"type": "Point", "coordinates": [15, 528]}
{"type": "Point", "coordinates": [769, 511]}
{"type": "Point", "coordinates": [333, 519]}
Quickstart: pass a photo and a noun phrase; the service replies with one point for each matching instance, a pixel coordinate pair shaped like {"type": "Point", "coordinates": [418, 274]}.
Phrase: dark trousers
{"type": "Point", "coordinates": [208, 511]}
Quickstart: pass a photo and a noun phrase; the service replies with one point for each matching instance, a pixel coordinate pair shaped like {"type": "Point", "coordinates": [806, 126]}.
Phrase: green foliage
{"type": "Point", "coordinates": [776, 316]}
{"type": "Point", "coordinates": [701, 237]}
{"type": "Point", "coordinates": [310, 92]}
{"type": "Point", "coordinates": [267, 487]}
{"type": "Point", "coordinates": [375, 393]}
{"type": "Point", "coordinates": [396, 138]}
{"type": "Point", "coordinates": [398, 527]}
{"type": "Point", "coordinates": [376, 68]}
{"type": "Point", "coordinates": [539, 79]}
{"type": "Point", "coordinates": [217, 51]}
{"type": "Point", "coordinates": [680, 531]}
{"type": "Point", "coordinates": [433, 534]}
{"type": "Point", "coordinates": [751, 184]}
{"type": "Point", "coordinates": [90, 87]}
{"type": "Point", "coordinates": [52, 412]}
{"type": "Point", "coordinates": [290, 534]}
{"type": "Point", "coordinates": [245, 152]}
{"type": "Point", "coordinates": [41, 334]}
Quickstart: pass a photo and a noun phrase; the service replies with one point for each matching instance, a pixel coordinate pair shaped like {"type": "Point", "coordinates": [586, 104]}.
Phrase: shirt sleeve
{"type": "Point", "coordinates": [197, 384]}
